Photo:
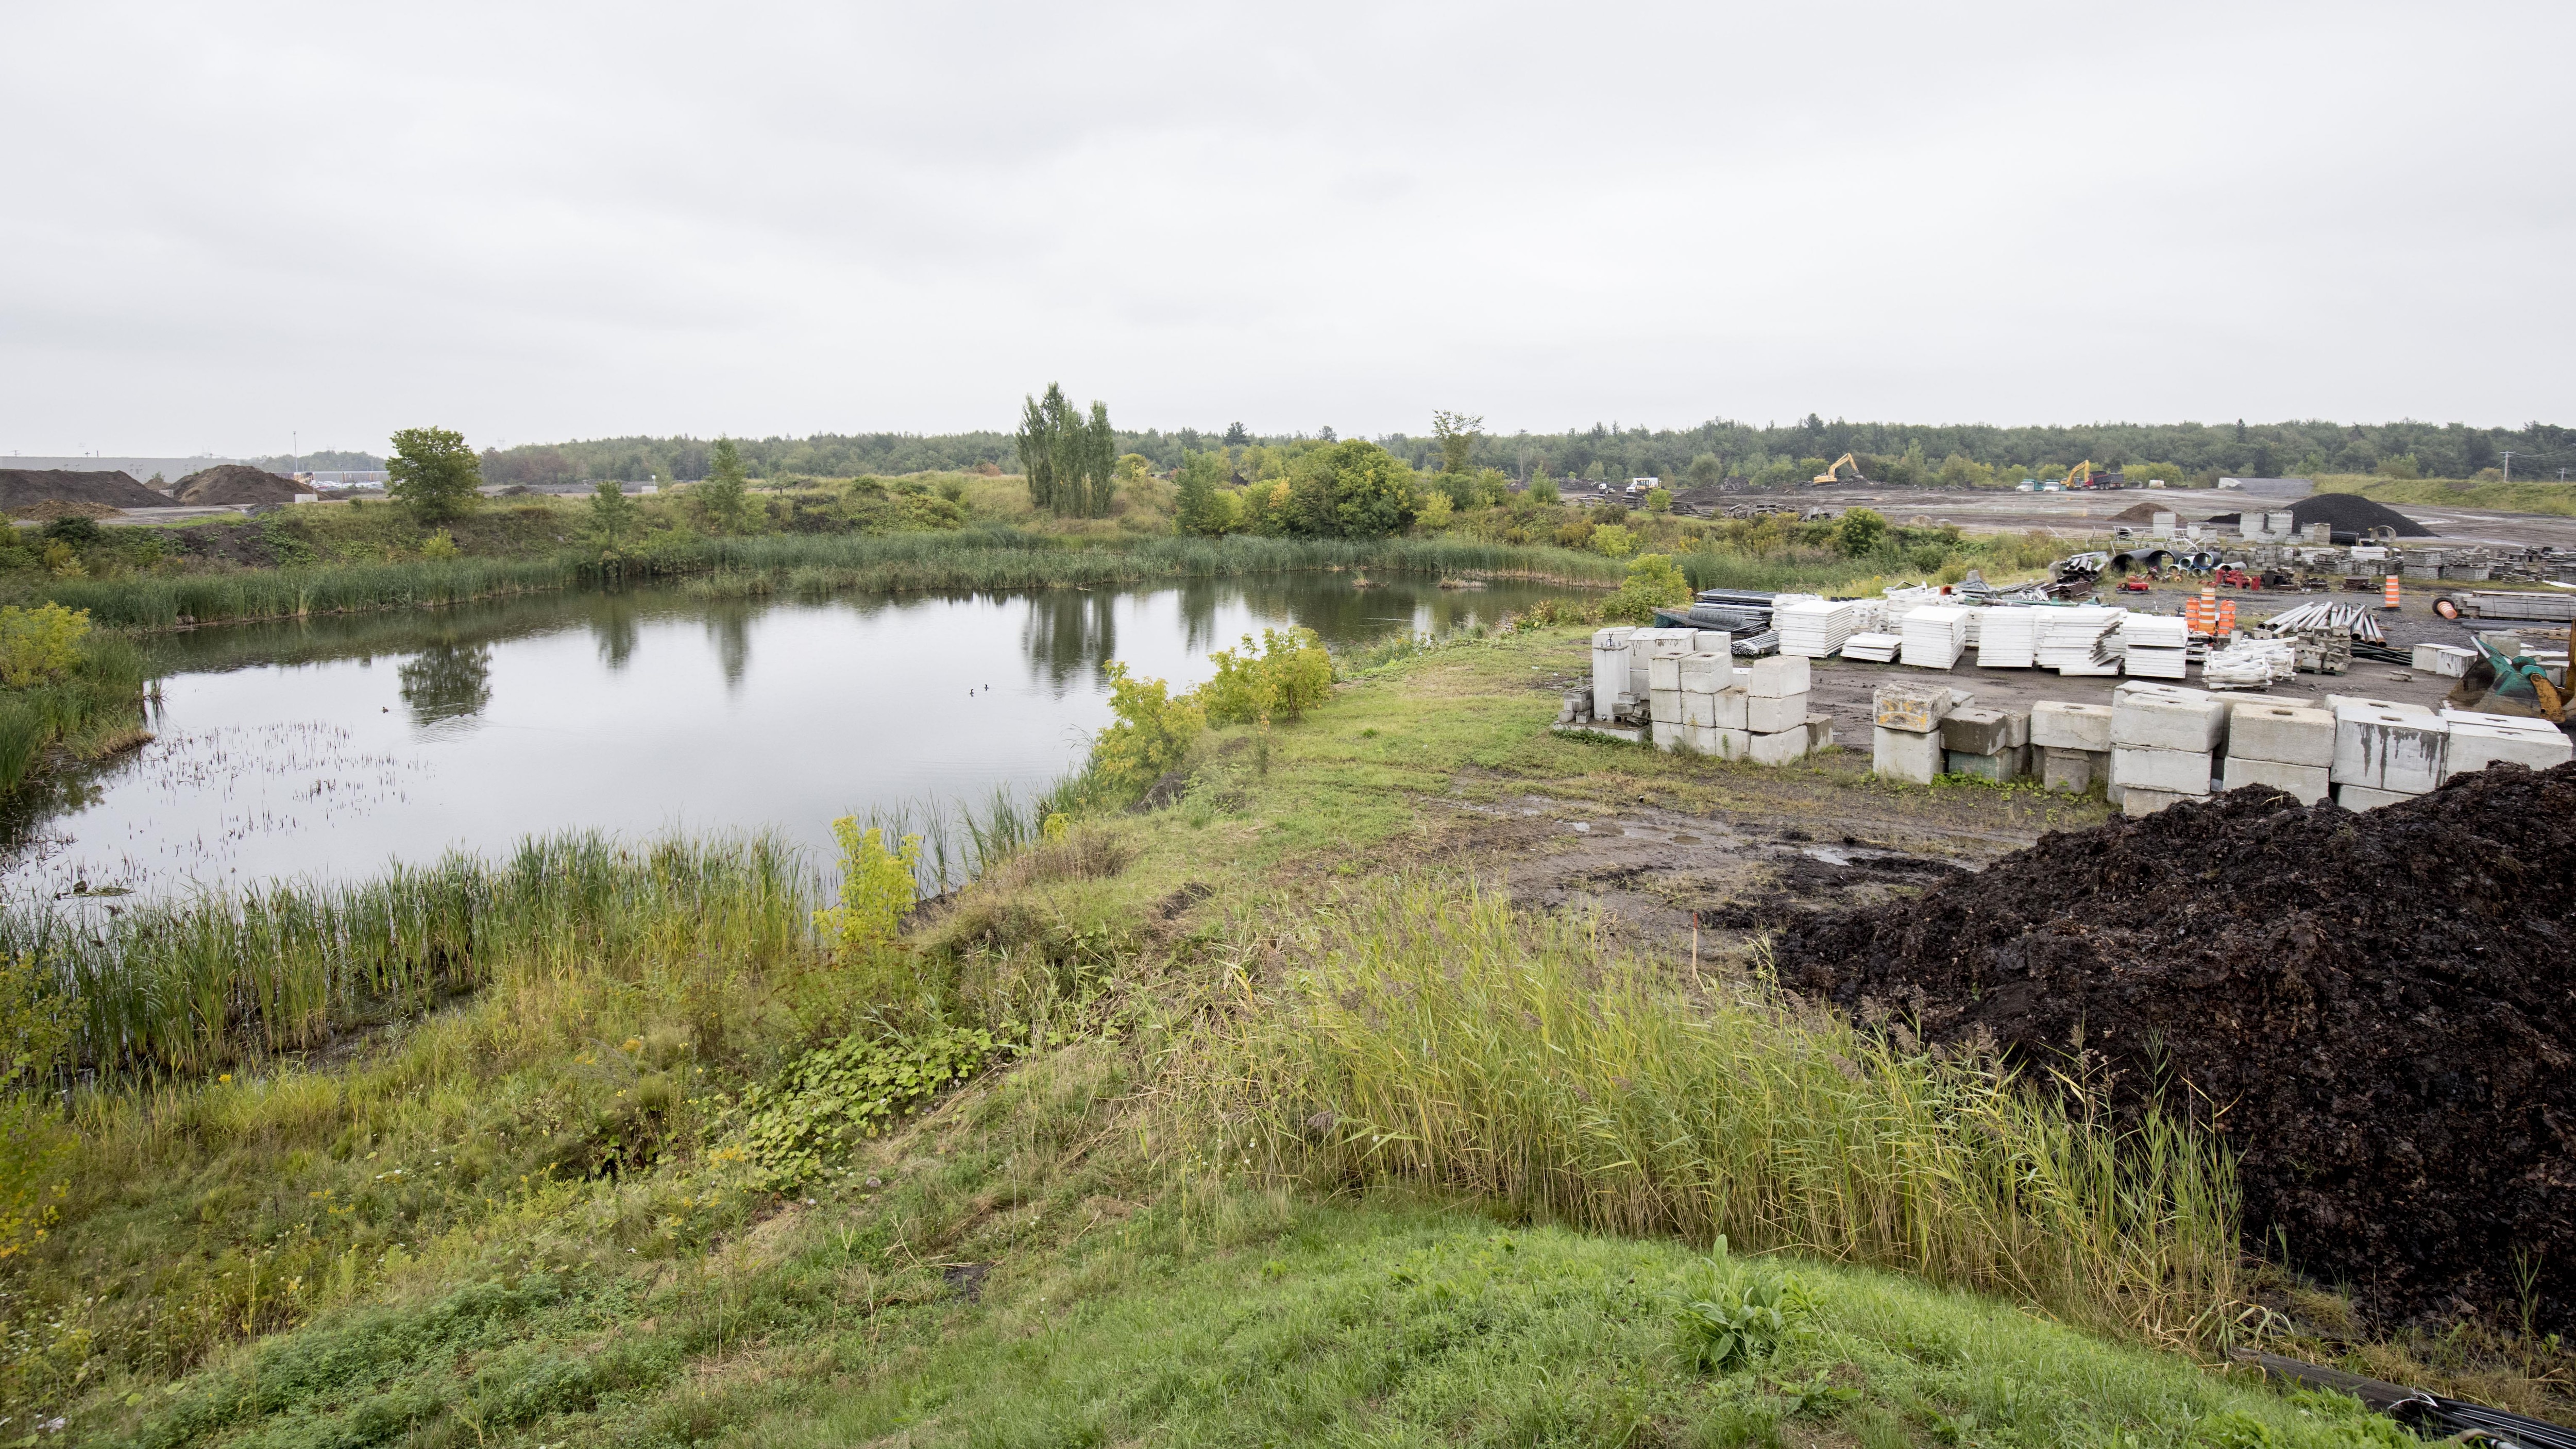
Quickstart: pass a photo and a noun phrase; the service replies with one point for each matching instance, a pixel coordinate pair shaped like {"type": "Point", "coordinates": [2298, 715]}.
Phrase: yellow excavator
{"type": "Point", "coordinates": [2080, 476]}
{"type": "Point", "coordinates": [1833, 471]}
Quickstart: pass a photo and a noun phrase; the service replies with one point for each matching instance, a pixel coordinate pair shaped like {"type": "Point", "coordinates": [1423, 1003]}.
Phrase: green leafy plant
{"type": "Point", "coordinates": [1731, 1318]}
{"type": "Point", "coordinates": [440, 545]}
{"type": "Point", "coordinates": [433, 473]}
{"type": "Point", "coordinates": [40, 644]}
{"type": "Point", "coordinates": [1614, 540]}
{"type": "Point", "coordinates": [1151, 733]}
{"type": "Point", "coordinates": [721, 498]}
{"type": "Point", "coordinates": [1654, 581]}
{"type": "Point", "coordinates": [614, 518]}
{"type": "Point", "coordinates": [855, 1088]}
{"type": "Point", "coordinates": [1859, 531]}
{"type": "Point", "coordinates": [1288, 674]}
{"type": "Point", "coordinates": [877, 887]}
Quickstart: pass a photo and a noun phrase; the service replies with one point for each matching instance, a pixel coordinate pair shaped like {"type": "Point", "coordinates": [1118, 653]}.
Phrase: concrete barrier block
{"type": "Point", "coordinates": [1664, 671]}
{"type": "Point", "coordinates": [2336, 702]}
{"type": "Point", "coordinates": [1706, 672]}
{"type": "Point", "coordinates": [1666, 735]}
{"type": "Point", "coordinates": [2000, 766]}
{"type": "Point", "coordinates": [1781, 747]}
{"type": "Point", "coordinates": [2156, 721]}
{"type": "Point", "coordinates": [1976, 731]}
{"type": "Point", "coordinates": [1913, 755]}
{"type": "Point", "coordinates": [2138, 800]}
{"type": "Point", "coordinates": [1771, 714]}
{"type": "Point", "coordinates": [2473, 747]}
{"type": "Point", "coordinates": [1731, 709]}
{"type": "Point", "coordinates": [1713, 641]}
{"type": "Point", "coordinates": [1664, 706]}
{"type": "Point", "coordinates": [1919, 706]}
{"type": "Point", "coordinates": [2184, 772]}
{"type": "Point", "coordinates": [2380, 749]}
{"type": "Point", "coordinates": [1699, 711]}
{"type": "Point", "coordinates": [2017, 725]}
{"type": "Point", "coordinates": [2073, 771]}
{"type": "Point", "coordinates": [2307, 784]}
{"type": "Point", "coordinates": [1781, 676]}
{"type": "Point", "coordinates": [1722, 744]}
{"type": "Point", "coordinates": [1820, 732]}
{"type": "Point", "coordinates": [2362, 797]}
{"type": "Point", "coordinates": [2285, 734]}
{"type": "Point", "coordinates": [2060, 725]}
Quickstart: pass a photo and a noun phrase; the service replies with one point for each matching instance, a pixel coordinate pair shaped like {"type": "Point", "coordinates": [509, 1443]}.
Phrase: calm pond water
{"type": "Point", "coordinates": [330, 747]}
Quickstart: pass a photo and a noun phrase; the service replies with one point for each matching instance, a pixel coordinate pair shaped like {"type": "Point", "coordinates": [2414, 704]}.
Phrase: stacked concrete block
{"type": "Point", "coordinates": [2074, 744]}
{"type": "Point", "coordinates": [2285, 747]}
{"type": "Point", "coordinates": [2164, 744]}
{"type": "Point", "coordinates": [1775, 708]}
{"type": "Point", "coordinates": [1905, 742]}
{"type": "Point", "coordinates": [2479, 740]}
{"type": "Point", "coordinates": [1646, 645]}
{"type": "Point", "coordinates": [2385, 751]}
{"type": "Point", "coordinates": [1611, 695]}
{"type": "Point", "coordinates": [2448, 660]}
{"type": "Point", "coordinates": [1988, 744]}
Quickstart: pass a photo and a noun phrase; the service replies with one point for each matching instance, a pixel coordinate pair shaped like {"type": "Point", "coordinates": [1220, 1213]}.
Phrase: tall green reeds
{"type": "Point", "coordinates": [1435, 1036]}
{"type": "Point", "coordinates": [185, 986]}
{"type": "Point", "coordinates": [810, 565]}
{"type": "Point", "coordinates": [99, 697]}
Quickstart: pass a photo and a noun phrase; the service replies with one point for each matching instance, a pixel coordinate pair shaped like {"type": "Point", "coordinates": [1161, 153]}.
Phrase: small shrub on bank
{"type": "Point", "coordinates": [1653, 582]}
{"type": "Point", "coordinates": [1151, 734]}
{"type": "Point", "coordinates": [877, 887]}
{"type": "Point", "coordinates": [1287, 675]}
{"type": "Point", "coordinates": [40, 644]}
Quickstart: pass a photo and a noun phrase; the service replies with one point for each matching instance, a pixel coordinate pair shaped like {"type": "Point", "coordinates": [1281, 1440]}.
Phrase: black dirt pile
{"type": "Point", "coordinates": [2377, 1010]}
{"type": "Point", "coordinates": [27, 487]}
{"type": "Point", "coordinates": [235, 483]}
{"type": "Point", "coordinates": [2354, 514]}
{"type": "Point", "coordinates": [2142, 513]}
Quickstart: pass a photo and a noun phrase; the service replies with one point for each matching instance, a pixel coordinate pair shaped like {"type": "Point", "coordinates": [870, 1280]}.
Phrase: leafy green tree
{"type": "Point", "coordinates": [1286, 675]}
{"type": "Point", "coordinates": [1654, 581]}
{"type": "Point", "coordinates": [1458, 433]}
{"type": "Point", "coordinates": [1070, 464]}
{"type": "Point", "coordinates": [721, 497]}
{"type": "Point", "coordinates": [1543, 488]}
{"type": "Point", "coordinates": [1353, 489]}
{"type": "Point", "coordinates": [614, 518]}
{"type": "Point", "coordinates": [1704, 470]}
{"type": "Point", "coordinates": [1199, 508]}
{"type": "Point", "coordinates": [1659, 500]}
{"type": "Point", "coordinates": [433, 473]}
{"type": "Point", "coordinates": [1151, 734]}
{"type": "Point", "coordinates": [1859, 531]}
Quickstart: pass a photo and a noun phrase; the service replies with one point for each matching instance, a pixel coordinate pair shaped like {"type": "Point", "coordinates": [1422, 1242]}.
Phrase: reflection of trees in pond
{"type": "Point", "coordinates": [613, 627]}
{"type": "Point", "coordinates": [729, 624]}
{"type": "Point", "coordinates": [1071, 633]}
{"type": "Point", "coordinates": [1199, 599]}
{"type": "Point", "coordinates": [1335, 608]}
{"type": "Point", "coordinates": [447, 680]}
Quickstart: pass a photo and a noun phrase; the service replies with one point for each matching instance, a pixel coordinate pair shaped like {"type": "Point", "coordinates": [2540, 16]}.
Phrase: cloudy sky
{"type": "Point", "coordinates": [220, 224]}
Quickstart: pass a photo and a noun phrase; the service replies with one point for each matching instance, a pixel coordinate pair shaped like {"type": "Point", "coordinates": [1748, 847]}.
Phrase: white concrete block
{"type": "Point", "coordinates": [2074, 771]}
{"type": "Point", "coordinates": [2017, 723]}
{"type": "Point", "coordinates": [2149, 720]}
{"type": "Point", "coordinates": [1706, 672]}
{"type": "Point", "coordinates": [2362, 797]}
{"type": "Point", "coordinates": [2184, 772]}
{"type": "Point", "coordinates": [1722, 744]}
{"type": "Point", "coordinates": [2138, 800]}
{"type": "Point", "coordinates": [1976, 731]}
{"type": "Point", "coordinates": [1712, 641]}
{"type": "Point", "coordinates": [2058, 725]}
{"type": "Point", "coordinates": [1730, 709]}
{"type": "Point", "coordinates": [1664, 706]}
{"type": "Point", "coordinates": [1699, 711]}
{"type": "Point", "coordinates": [1666, 735]}
{"type": "Point", "coordinates": [1614, 637]}
{"type": "Point", "coordinates": [1769, 715]}
{"type": "Point", "coordinates": [1820, 732]}
{"type": "Point", "coordinates": [1781, 748]}
{"type": "Point", "coordinates": [1781, 676]}
{"type": "Point", "coordinates": [1916, 706]}
{"type": "Point", "coordinates": [2499, 721]}
{"type": "Point", "coordinates": [2156, 686]}
{"type": "Point", "coordinates": [1905, 754]}
{"type": "Point", "coordinates": [1664, 672]}
{"type": "Point", "coordinates": [2448, 660]}
{"type": "Point", "coordinates": [2307, 784]}
{"type": "Point", "coordinates": [2476, 746]}
{"type": "Point", "coordinates": [2393, 750]}
{"type": "Point", "coordinates": [2335, 703]}
{"type": "Point", "coordinates": [2282, 733]}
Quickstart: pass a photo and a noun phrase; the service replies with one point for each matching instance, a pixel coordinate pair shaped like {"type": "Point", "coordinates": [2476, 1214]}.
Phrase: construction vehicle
{"type": "Point", "coordinates": [2083, 475]}
{"type": "Point", "coordinates": [1833, 471]}
{"type": "Point", "coordinates": [2515, 684]}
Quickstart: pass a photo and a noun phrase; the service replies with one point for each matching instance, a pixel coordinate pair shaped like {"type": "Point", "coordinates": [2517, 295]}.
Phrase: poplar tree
{"type": "Point", "coordinates": [1071, 465]}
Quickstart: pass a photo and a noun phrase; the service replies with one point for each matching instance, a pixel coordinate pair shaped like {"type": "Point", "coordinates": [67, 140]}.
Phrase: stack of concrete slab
{"type": "Point", "coordinates": [2154, 646]}
{"type": "Point", "coordinates": [2067, 636]}
{"type": "Point", "coordinates": [1905, 742]}
{"type": "Point", "coordinates": [1873, 648]}
{"type": "Point", "coordinates": [2479, 740]}
{"type": "Point", "coordinates": [2448, 660]}
{"type": "Point", "coordinates": [1935, 635]}
{"type": "Point", "coordinates": [2074, 744]}
{"type": "Point", "coordinates": [1611, 694]}
{"type": "Point", "coordinates": [2008, 638]}
{"type": "Point", "coordinates": [2164, 744]}
{"type": "Point", "coordinates": [1988, 744]}
{"type": "Point", "coordinates": [1815, 629]}
{"type": "Point", "coordinates": [1649, 644]}
{"type": "Point", "coordinates": [2285, 747]}
{"type": "Point", "coordinates": [1703, 703]}
{"type": "Point", "coordinates": [2386, 751]}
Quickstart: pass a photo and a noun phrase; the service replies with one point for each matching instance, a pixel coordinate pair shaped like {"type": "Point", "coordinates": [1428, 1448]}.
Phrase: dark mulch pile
{"type": "Point", "coordinates": [2376, 1009]}
{"type": "Point", "coordinates": [23, 487]}
{"type": "Point", "coordinates": [2352, 513]}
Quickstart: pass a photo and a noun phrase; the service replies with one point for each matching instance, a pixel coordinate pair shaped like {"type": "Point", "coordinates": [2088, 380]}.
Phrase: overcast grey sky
{"type": "Point", "coordinates": [220, 223]}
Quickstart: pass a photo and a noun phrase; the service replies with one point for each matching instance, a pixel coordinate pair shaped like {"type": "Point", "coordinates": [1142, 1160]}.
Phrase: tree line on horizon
{"type": "Point", "coordinates": [1897, 452]}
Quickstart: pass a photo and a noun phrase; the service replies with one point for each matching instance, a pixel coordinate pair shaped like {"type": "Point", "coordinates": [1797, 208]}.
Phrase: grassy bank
{"type": "Point", "coordinates": [2538, 497]}
{"type": "Point", "coordinates": [81, 700]}
{"type": "Point", "coordinates": [1287, 1131]}
{"type": "Point", "coordinates": [801, 564]}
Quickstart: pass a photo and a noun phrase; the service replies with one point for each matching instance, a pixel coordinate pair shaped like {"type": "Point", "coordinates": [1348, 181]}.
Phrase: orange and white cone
{"type": "Point", "coordinates": [2388, 593]}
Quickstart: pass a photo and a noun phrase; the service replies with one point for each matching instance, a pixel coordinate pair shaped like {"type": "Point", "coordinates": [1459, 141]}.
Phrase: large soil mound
{"type": "Point", "coordinates": [235, 483]}
{"type": "Point", "coordinates": [2352, 513]}
{"type": "Point", "coordinates": [2378, 1011]}
{"type": "Point", "coordinates": [26, 487]}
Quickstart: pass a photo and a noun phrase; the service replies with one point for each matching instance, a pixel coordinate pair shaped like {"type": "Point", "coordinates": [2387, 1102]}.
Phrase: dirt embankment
{"type": "Point", "coordinates": [2377, 1010]}
{"type": "Point", "coordinates": [235, 484]}
{"type": "Point", "coordinates": [27, 487]}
